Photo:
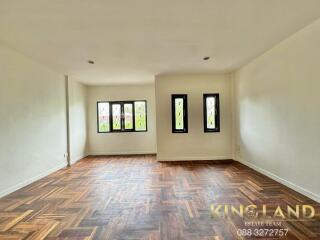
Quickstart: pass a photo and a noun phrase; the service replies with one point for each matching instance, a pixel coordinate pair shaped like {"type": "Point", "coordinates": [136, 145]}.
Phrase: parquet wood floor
{"type": "Point", "coordinates": [136, 197]}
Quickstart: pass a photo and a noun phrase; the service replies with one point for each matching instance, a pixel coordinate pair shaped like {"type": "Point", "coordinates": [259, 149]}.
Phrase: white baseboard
{"type": "Point", "coordinates": [287, 183]}
{"type": "Point", "coordinates": [193, 158]}
{"type": "Point", "coordinates": [31, 180]}
{"type": "Point", "coordinates": [120, 153]}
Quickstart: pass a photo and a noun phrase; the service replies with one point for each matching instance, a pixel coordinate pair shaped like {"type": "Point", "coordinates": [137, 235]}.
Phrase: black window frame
{"type": "Point", "coordinates": [122, 123]}
{"type": "Point", "coordinates": [185, 113]}
{"type": "Point", "coordinates": [217, 111]}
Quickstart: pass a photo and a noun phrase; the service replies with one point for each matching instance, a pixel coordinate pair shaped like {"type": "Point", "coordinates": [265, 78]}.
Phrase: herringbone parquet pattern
{"type": "Point", "coordinates": [135, 197]}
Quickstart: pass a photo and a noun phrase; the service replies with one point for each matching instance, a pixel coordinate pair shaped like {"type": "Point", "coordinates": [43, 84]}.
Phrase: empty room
{"type": "Point", "coordinates": [159, 120]}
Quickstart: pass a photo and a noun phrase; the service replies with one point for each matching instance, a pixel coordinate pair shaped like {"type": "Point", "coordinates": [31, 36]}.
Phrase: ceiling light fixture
{"type": "Point", "coordinates": [91, 62]}
{"type": "Point", "coordinates": [206, 58]}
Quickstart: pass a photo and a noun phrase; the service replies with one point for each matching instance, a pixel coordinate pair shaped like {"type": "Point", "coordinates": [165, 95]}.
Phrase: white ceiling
{"type": "Point", "coordinates": [131, 41]}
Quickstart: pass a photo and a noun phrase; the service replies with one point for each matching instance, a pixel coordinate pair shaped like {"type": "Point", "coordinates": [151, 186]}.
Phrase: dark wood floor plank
{"type": "Point", "coordinates": [136, 197]}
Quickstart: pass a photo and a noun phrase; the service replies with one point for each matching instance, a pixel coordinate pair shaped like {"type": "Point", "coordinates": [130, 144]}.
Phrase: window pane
{"type": "Point", "coordinates": [116, 116]}
{"type": "Point", "coordinates": [128, 117]}
{"type": "Point", "coordinates": [211, 112]}
{"type": "Point", "coordinates": [178, 103]}
{"type": "Point", "coordinates": [140, 116]}
{"type": "Point", "coordinates": [103, 117]}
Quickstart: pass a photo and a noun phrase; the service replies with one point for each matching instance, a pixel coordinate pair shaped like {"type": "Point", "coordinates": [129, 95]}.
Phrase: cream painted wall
{"type": "Point", "coordinates": [32, 121]}
{"type": "Point", "coordinates": [121, 143]}
{"type": "Point", "coordinates": [277, 112]}
{"type": "Point", "coordinates": [77, 119]}
{"type": "Point", "coordinates": [194, 145]}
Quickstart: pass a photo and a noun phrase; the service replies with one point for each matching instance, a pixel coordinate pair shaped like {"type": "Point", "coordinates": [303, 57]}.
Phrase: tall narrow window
{"type": "Point", "coordinates": [179, 113]}
{"type": "Point", "coordinates": [140, 115]}
{"type": "Point", "coordinates": [116, 117]}
{"type": "Point", "coordinates": [128, 116]}
{"type": "Point", "coordinates": [103, 117]}
{"type": "Point", "coordinates": [211, 112]}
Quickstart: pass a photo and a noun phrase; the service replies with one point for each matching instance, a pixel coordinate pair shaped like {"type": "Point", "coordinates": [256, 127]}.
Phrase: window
{"type": "Point", "coordinates": [124, 116]}
{"type": "Point", "coordinates": [211, 112]}
{"type": "Point", "coordinates": [140, 117]}
{"type": "Point", "coordinates": [128, 116]}
{"type": "Point", "coordinates": [179, 113]}
{"type": "Point", "coordinates": [103, 117]}
{"type": "Point", "coordinates": [116, 117]}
